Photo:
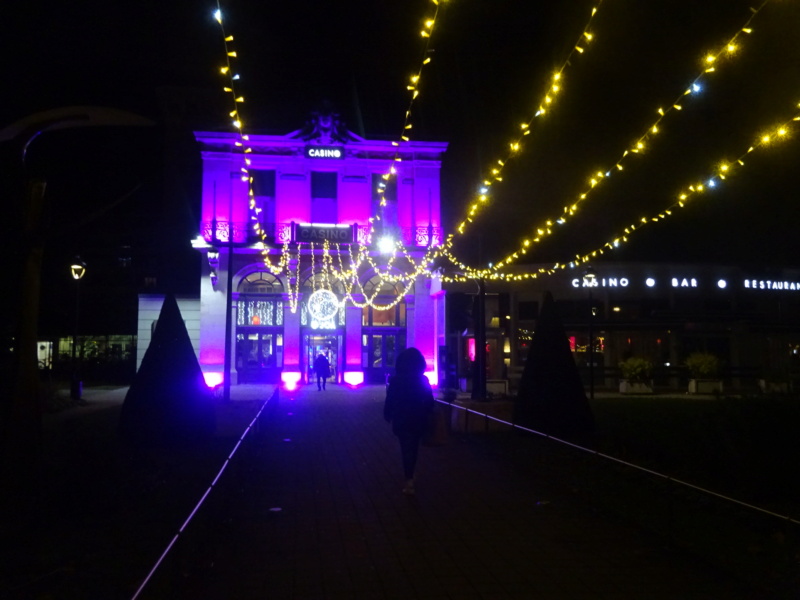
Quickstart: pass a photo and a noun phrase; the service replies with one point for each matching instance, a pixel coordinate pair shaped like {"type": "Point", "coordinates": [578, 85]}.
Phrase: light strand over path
{"type": "Point", "coordinates": [413, 86]}
{"type": "Point", "coordinates": [515, 146]}
{"type": "Point", "coordinates": [689, 192]}
{"type": "Point", "coordinates": [232, 77]}
{"type": "Point", "coordinates": [291, 256]}
{"type": "Point", "coordinates": [710, 61]}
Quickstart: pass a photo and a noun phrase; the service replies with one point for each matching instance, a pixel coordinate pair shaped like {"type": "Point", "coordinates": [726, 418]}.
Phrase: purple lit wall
{"type": "Point", "coordinates": [290, 161]}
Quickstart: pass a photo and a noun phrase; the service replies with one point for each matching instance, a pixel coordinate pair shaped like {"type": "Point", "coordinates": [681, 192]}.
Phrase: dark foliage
{"type": "Point", "coordinates": [551, 397]}
{"type": "Point", "coordinates": [168, 402]}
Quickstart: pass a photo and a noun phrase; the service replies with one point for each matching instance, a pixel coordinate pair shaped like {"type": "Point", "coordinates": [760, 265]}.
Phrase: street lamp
{"type": "Point", "coordinates": [213, 263]}
{"type": "Point", "coordinates": [589, 281]}
{"type": "Point", "coordinates": [78, 270]}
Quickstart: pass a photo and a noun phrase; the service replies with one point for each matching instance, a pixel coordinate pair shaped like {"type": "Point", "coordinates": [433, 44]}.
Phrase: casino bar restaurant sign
{"type": "Point", "coordinates": [315, 232]}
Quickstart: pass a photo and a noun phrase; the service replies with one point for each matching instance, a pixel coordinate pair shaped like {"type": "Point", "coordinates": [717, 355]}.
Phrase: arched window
{"type": "Point", "coordinates": [259, 300]}
{"type": "Point", "coordinates": [261, 282]}
{"type": "Point", "coordinates": [384, 293]}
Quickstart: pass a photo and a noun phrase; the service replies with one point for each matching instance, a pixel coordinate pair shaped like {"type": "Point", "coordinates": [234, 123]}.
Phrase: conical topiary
{"type": "Point", "coordinates": [551, 397]}
{"type": "Point", "coordinates": [168, 401]}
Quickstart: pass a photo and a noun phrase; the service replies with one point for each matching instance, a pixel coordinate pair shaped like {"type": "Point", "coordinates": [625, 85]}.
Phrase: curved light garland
{"type": "Point", "coordinates": [723, 170]}
{"type": "Point", "coordinates": [515, 146]}
{"type": "Point", "coordinates": [710, 63]}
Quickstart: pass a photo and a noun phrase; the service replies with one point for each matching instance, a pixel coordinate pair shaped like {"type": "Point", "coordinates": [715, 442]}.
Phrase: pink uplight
{"type": "Point", "coordinates": [353, 378]}
{"type": "Point", "coordinates": [290, 379]}
{"type": "Point", "coordinates": [433, 378]}
{"type": "Point", "coordinates": [213, 379]}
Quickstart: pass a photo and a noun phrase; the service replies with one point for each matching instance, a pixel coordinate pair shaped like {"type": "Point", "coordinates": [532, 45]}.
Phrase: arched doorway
{"type": "Point", "coordinates": [259, 328]}
{"type": "Point", "coordinates": [383, 328]}
{"type": "Point", "coordinates": [322, 324]}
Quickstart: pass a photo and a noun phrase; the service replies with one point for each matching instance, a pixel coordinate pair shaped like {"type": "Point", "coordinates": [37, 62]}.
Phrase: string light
{"type": "Point", "coordinates": [640, 144]}
{"type": "Point", "coordinates": [516, 146]}
{"type": "Point", "coordinates": [689, 191]}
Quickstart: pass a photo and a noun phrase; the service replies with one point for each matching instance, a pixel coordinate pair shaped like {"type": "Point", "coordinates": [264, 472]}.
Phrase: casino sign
{"type": "Point", "coordinates": [309, 233]}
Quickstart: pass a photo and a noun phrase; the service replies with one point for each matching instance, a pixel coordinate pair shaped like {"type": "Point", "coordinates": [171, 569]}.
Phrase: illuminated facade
{"type": "Point", "coordinates": [313, 194]}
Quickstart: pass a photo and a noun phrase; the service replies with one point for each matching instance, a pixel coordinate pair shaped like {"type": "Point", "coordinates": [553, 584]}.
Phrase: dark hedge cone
{"type": "Point", "coordinates": [168, 402]}
{"type": "Point", "coordinates": [551, 396]}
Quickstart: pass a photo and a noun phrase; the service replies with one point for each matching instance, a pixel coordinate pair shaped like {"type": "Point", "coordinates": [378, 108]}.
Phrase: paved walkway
{"type": "Point", "coordinates": [314, 509]}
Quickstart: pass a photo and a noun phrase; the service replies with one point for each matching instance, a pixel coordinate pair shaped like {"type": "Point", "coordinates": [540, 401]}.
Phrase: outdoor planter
{"type": "Point", "coordinates": [770, 386]}
{"type": "Point", "coordinates": [705, 386]}
{"type": "Point", "coordinates": [636, 376]}
{"type": "Point", "coordinates": [703, 369]}
{"type": "Point", "coordinates": [635, 387]}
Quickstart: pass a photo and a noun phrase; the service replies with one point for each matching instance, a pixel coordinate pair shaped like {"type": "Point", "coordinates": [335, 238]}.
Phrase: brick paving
{"type": "Point", "coordinates": [311, 507]}
{"type": "Point", "coordinates": [314, 509]}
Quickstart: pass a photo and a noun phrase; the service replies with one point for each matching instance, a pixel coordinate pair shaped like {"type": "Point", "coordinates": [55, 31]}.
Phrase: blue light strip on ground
{"type": "Point", "coordinates": [622, 462]}
{"type": "Point", "coordinates": [203, 498]}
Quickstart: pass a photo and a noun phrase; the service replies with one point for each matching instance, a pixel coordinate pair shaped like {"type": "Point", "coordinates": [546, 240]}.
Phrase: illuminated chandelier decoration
{"type": "Point", "coordinates": [322, 307]}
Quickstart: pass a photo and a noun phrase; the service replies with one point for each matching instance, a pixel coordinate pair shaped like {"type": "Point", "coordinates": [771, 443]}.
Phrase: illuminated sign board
{"type": "Point", "coordinates": [601, 282]}
{"type": "Point", "coordinates": [686, 283]}
{"type": "Point", "coordinates": [318, 233]}
{"type": "Point", "coordinates": [768, 284]}
{"type": "Point", "coordinates": [324, 152]}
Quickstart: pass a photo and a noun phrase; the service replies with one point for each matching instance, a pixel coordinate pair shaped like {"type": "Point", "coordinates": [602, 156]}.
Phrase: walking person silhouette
{"type": "Point", "coordinates": [322, 367]}
{"type": "Point", "coordinates": [408, 406]}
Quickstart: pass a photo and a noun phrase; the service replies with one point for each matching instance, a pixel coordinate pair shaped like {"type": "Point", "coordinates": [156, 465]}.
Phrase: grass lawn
{"type": "Point", "coordinates": [740, 446]}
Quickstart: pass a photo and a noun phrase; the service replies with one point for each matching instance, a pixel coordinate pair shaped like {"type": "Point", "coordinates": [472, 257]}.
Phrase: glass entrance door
{"type": "Point", "coordinates": [259, 355]}
{"type": "Point", "coordinates": [316, 344]}
{"type": "Point", "coordinates": [378, 353]}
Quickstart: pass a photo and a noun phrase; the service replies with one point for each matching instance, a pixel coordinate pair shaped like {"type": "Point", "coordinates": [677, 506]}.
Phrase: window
{"type": "Point", "coordinates": [389, 213]}
{"type": "Point", "coordinates": [264, 193]}
{"type": "Point", "coordinates": [528, 310]}
{"type": "Point", "coordinates": [384, 293]}
{"type": "Point", "coordinates": [261, 283]}
{"type": "Point", "coordinates": [323, 197]}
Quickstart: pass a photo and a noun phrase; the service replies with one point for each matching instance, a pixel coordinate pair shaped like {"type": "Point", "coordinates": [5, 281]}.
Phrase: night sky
{"type": "Point", "coordinates": [492, 63]}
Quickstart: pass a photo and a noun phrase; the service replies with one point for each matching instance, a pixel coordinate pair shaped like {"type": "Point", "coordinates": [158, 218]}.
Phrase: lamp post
{"type": "Point", "coordinates": [479, 322]}
{"type": "Point", "coordinates": [78, 270]}
{"type": "Point", "coordinates": [589, 281]}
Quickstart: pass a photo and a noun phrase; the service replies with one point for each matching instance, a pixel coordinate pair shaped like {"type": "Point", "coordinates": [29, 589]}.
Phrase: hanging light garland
{"type": "Point", "coordinates": [710, 63]}
{"type": "Point", "coordinates": [723, 169]}
{"type": "Point", "coordinates": [286, 258]}
{"type": "Point", "coordinates": [516, 146]}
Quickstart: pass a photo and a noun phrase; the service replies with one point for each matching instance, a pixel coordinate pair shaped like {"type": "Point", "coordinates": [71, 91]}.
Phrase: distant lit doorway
{"type": "Point", "coordinates": [316, 344]}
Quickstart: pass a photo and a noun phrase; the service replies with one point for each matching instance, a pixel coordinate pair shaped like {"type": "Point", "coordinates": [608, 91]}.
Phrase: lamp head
{"type": "Point", "coordinates": [213, 256]}
{"type": "Point", "coordinates": [77, 268]}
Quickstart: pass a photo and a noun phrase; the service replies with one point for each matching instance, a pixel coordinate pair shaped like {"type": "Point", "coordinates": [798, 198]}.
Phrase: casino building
{"type": "Point", "coordinates": [278, 238]}
{"type": "Point", "coordinates": [749, 317]}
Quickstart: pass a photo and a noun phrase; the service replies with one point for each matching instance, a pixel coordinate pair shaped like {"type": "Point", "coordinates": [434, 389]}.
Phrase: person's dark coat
{"type": "Point", "coordinates": [322, 366]}
{"type": "Point", "coordinates": [409, 397]}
